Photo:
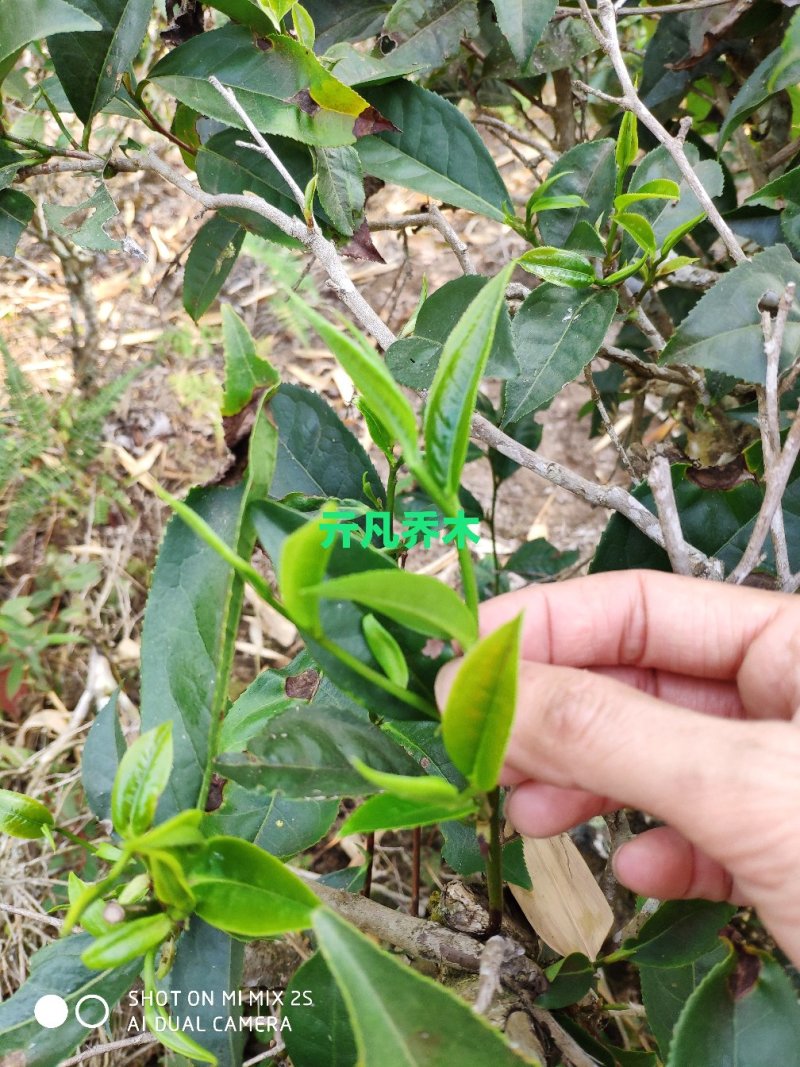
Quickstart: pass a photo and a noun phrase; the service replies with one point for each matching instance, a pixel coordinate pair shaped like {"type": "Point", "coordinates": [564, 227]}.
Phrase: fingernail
{"type": "Point", "coordinates": [444, 681]}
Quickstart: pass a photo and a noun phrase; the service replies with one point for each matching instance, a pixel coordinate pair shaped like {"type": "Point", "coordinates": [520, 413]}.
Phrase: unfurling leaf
{"type": "Point", "coordinates": [143, 774]}
{"type": "Point", "coordinates": [127, 940]}
{"type": "Point", "coordinates": [558, 266]}
{"type": "Point", "coordinates": [476, 721]}
{"type": "Point", "coordinates": [386, 650]}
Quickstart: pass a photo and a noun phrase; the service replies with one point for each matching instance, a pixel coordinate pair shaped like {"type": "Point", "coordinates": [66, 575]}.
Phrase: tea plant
{"type": "Point", "coordinates": [281, 117]}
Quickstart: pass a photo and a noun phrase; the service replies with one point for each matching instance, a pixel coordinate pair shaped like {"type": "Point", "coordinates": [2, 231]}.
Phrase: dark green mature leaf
{"type": "Point", "coordinates": [319, 1034]}
{"type": "Point", "coordinates": [210, 261]}
{"type": "Point", "coordinates": [476, 721]}
{"type": "Point", "coordinates": [247, 13]}
{"type": "Point", "coordinates": [413, 360]}
{"type": "Point", "coordinates": [665, 216]}
{"type": "Point", "coordinates": [557, 332]}
{"type": "Point", "coordinates": [429, 1025]}
{"type": "Point", "coordinates": [770, 77]}
{"type": "Point", "coordinates": [718, 522]}
{"type": "Point", "coordinates": [463, 851]}
{"type": "Point", "coordinates": [245, 371]}
{"type": "Point", "coordinates": [665, 991]}
{"type": "Point", "coordinates": [23, 816]}
{"type": "Point", "coordinates": [10, 162]}
{"type": "Point", "coordinates": [563, 43]}
{"type": "Point", "coordinates": [423, 742]}
{"type": "Point", "coordinates": [208, 961]}
{"type": "Point", "coordinates": [743, 1007]}
{"type": "Point", "coordinates": [22, 23]}
{"type": "Point", "coordinates": [421, 603]}
{"type": "Point", "coordinates": [593, 177]}
{"type": "Point", "coordinates": [522, 24]}
{"type": "Point", "coordinates": [437, 151]}
{"type": "Point", "coordinates": [389, 812]}
{"type": "Point", "coordinates": [538, 560]}
{"type": "Point", "coordinates": [244, 890]}
{"type": "Point", "coordinates": [451, 400]}
{"type": "Point", "coordinates": [57, 968]}
{"type": "Point", "coordinates": [340, 187]}
{"type": "Point", "coordinates": [225, 167]}
{"type": "Point", "coordinates": [427, 32]}
{"type": "Point", "coordinates": [16, 211]}
{"type": "Point", "coordinates": [680, 932]}
{"type": "Point", "coordinates": [307, 751]}
{"type": "Point", "coordinates": [185, 635]}
{"type": "Point", "coordinates": [723, 330]}
{"type": "Point", "coordinates": [264, 698]}
{"type": "Point", "coordinates": [283, 88]}
{"type": "Point", "coordinates": [317, 454]}
{"type": "Point", "coordinates": [280, 825]}
{"type": "Point", "coordinates": [102, 752]}
{"type": "Point", "coordinates": [143, 774]}
{"type": "Point", "coordinates": [570, 980]}
{"type": "Point", "coordinates": [90, 65]}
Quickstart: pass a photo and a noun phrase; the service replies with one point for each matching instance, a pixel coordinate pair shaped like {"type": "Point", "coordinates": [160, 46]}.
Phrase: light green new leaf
{"type": "Point", "coordinates": [627, 144]}
{"type": "Point", "coordinates": [245, 370]}
{"type": "Point", "coordinates": [556, 333]}
{"type": "Point", "coordinates": [22, 816]}
{"type": "Point", "coordinates": [386, 650]}
{"type": "Point", "coordinates": [522, 24]}
{"type": "Point", "coordinates": [429, 1026]}
{"type": "Point", "coordinates": [452, 397]}
{"type": "Point", "coordinates": [639, 229]}
{"type": "Point", "coordinates": [302, 567]}
{"type": "Point", "coordinates": [427, 788]}
{"type": "Point", "coordinates": [370, 377]}
{"type": "Point", "coordinates": [246, 891]}
{"type": "Point", "coordinates": [21, 23]}
{"type": "Point", "coordinates": [143, 774]}
{"type": "Point", "coordinates": [476, 722]}
{"type": "Point", "coordinates": [421, 603]}
{"type": "Point", "coordinates": [210, 261]}
{"type": "Point", "coordinates": [390, 812]}
{"type": "Point", "coordinates": [558, 266]}
{"type": "Point", "coordinates": [340, 187]}
{"type": "Point", "coordinates": [657, 189]}
{"type": "Point", "coordinates": [90, 65]}
{"type": "Point", "coordinates": [723, 330]}
{"type": "Point", "coordinates": [126, 941]}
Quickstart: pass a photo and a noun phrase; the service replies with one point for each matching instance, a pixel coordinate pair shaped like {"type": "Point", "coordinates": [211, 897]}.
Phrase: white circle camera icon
{"type": "Point", "coordinates": [52, 1011]}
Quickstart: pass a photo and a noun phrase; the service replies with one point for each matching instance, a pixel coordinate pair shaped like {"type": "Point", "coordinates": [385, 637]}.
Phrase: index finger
{"type": "Point", "coordinates": [638, 618]}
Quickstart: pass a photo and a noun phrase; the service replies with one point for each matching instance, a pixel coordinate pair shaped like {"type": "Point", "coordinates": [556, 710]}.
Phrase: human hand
{"type": "Point", "coordinates": [676, 696]}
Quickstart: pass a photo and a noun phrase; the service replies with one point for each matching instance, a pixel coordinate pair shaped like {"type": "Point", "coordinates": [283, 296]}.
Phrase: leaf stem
{"type": "Point", "coordinates": [494, 865]}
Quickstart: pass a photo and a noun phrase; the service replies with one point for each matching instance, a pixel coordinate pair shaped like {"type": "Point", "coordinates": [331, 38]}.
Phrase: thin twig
{"type": "Point", "coordinates": [517, 135]}
{"type": "Point", "coordinates": [261, 146]}
{"type": "Point", "coordinates": [608, 425]}
{"type": "Point", "coordinates": [36, 915]}
{"type": "Point", "coordinates": [642, 319]}
{"type": "Point", "coordinates": [268, 1055]}
{"type": "Point", "coordinates": [677, 375]}
{"type": "Point", "coordinates": [777, 464]}
{"type": "Point", "coordinates": [423, 939]}
{"type": "Point", "coordinates": [660, 481]}
{"type": "Point", "coordinates": [432, 217]}
{"type": "Point", "coordinates": [496, 952]}
{"type": "Point", "coordinates": [112, 1046]}
{"type": "Point", "coordinates": [631, 101]}
{"type": "Point", "coordinates": [663, 9]}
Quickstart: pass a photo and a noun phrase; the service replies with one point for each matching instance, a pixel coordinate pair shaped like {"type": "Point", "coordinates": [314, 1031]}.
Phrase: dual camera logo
{"type": "Point", "coordinates": [52, 1011]}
